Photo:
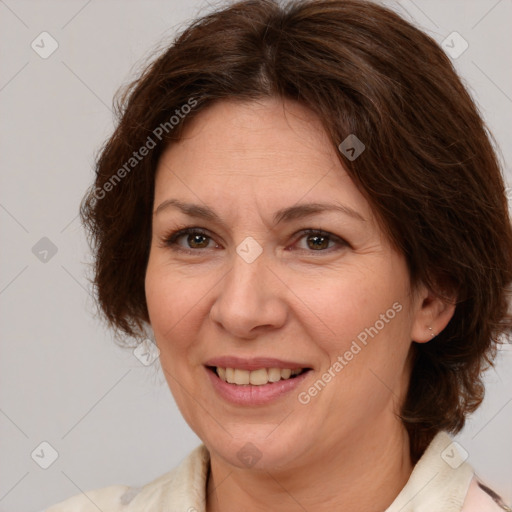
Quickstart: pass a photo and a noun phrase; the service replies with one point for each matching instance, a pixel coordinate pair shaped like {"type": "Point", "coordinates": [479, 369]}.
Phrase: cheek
{"type": "Point", "coordinates": [347, 304]}
{"type": "Point", "coordinates": [363, 322]}
{"type": "Point", "coordinates": [172, 306]}
{"type": "Point", "coordinates": [178, 304]}
{"type": "Point", "coordinates": [170, 302]}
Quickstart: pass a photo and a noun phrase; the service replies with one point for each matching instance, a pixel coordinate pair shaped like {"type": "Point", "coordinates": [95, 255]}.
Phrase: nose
{"type": "Point", "coordinates": [250, 300]}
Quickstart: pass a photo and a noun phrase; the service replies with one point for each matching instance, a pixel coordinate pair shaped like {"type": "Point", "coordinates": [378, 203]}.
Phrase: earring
{"type": "Point", "coordinates": [431, 332]}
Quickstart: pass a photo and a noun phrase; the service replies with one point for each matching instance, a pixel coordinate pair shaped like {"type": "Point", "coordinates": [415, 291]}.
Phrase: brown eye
{"type": "Point", "coordinates": [197, 241]}
{"type": "Point", "coordinates": [317, 242]}
{"type": "Point", "coordinates": [320, 241]}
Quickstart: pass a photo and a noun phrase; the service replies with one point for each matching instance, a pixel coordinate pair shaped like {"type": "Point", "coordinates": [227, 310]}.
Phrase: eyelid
{"type": "Point", "coordinates": [170, 239]}
{"type": "Point", "coordinates": [341, 242]}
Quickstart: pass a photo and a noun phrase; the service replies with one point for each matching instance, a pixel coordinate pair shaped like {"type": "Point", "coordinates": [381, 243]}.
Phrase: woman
{"type": "Point", "coordinates": [303, 204]}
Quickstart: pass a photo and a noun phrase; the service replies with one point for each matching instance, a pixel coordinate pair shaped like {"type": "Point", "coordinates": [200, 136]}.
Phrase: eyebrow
{"type": "Point", "coordinates": [284, 215]}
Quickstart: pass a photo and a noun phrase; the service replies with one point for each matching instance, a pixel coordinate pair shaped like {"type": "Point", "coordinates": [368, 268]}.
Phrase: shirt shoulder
{"type": "Point", "coordinates": [182, 485]}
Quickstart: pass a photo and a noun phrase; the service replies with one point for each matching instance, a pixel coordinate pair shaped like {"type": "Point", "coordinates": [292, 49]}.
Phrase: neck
{"type": "Point", "coordinates": [365, 474]}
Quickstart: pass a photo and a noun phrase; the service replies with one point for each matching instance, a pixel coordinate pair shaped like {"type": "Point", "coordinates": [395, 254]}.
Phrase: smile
{"type": "Point", "coordinates": [258, 377]}
{"type": "Point", "coordinates": [257, 386]}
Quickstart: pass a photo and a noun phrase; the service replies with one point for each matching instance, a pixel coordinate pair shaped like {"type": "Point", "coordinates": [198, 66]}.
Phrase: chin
{"type": "Point", "coordinates": [259, 447]}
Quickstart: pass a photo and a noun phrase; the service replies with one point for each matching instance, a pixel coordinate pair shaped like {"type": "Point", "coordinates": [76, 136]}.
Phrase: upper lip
{"type": "Point", "coordinates": [254, 363]}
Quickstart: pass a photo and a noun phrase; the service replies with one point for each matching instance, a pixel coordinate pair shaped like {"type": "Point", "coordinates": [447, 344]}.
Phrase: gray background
{"type": "Point", "coordinates": [63, 380]}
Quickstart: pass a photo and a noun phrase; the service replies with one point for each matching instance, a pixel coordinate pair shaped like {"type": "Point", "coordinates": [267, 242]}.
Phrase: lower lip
{"type": "Point", "coordinates": [254, 395]}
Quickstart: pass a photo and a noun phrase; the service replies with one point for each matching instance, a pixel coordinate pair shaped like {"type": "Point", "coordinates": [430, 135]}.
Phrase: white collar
{"type": "Point", "coordinates": [439, 480]}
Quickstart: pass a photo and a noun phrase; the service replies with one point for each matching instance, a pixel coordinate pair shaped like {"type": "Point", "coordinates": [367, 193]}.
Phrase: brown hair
{"type": "Point", "coordinates": [429, 170]}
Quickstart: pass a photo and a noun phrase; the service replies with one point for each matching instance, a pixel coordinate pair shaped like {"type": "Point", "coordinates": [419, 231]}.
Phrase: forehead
{"type": "Point", "coordinates": [268, 151]}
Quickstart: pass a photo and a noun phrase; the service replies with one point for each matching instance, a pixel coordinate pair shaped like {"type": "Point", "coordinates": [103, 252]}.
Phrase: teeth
{"type": "Point", "coordinates": [258, 377]}
{"type": "Point", "coordinates": [255, 377]}
{"type": "Point", "coordinates": [242, 377]}
{"type": "Point", "coordinates": [274, 374]}
{"type": "Point", "coordinates": [286, 373]}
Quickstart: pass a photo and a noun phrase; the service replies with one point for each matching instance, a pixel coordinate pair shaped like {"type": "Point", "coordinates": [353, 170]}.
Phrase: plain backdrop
{"type": "Point", "coordinates": [106, 417]}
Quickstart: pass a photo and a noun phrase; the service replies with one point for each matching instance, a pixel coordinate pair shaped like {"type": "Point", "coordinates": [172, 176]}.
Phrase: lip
{"type": "Point", "coordinates": [254, 363]}
{"type": "Point", "coordinates": [250, 395]}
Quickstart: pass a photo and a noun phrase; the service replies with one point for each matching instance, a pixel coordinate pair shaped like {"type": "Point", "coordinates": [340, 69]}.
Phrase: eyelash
{"type": "Point", "coordinates": [171, 240]}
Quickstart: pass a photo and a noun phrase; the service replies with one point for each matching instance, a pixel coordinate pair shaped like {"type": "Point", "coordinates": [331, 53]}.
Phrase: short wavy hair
{"type": "Point", "coordinates": [429, 170]}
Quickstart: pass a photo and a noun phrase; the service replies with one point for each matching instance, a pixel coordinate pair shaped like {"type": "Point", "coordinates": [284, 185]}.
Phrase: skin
{"type": "Point", "coordinates": [345, 449]}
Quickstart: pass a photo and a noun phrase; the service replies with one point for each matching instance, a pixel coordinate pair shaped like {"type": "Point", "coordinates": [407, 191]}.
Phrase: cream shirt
{"type": "Point", "coordinates": [440, 482]}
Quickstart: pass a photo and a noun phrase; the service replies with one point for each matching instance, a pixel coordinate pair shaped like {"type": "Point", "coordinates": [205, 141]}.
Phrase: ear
{"type": "Point", "coordinates": [431, 316]}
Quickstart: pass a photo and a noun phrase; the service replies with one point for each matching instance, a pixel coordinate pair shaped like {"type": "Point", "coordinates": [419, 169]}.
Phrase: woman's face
{"type": "Point", "coordinates": [253, 291]}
